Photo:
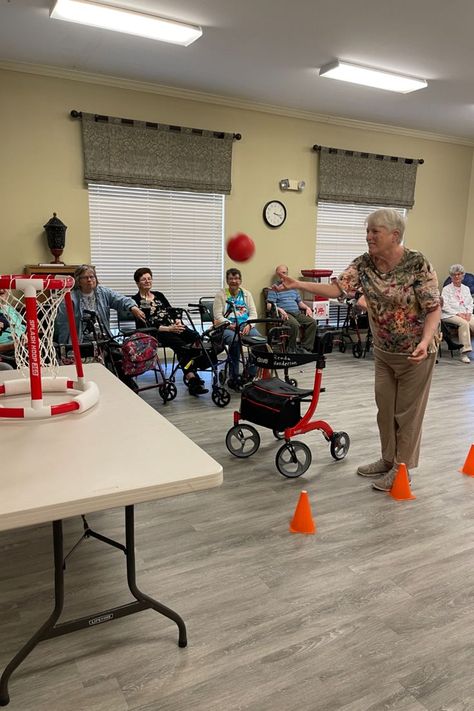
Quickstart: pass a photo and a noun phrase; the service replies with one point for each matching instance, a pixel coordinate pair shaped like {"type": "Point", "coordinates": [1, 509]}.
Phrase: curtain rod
{"type": "Point", "coordinates": [420, 161]}
{"type": "Point", "coordinates": [99, 117]}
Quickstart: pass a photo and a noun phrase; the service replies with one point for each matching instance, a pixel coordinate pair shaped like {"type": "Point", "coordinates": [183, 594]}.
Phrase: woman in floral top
{"type": "Point", "coordinates": [403, 304]}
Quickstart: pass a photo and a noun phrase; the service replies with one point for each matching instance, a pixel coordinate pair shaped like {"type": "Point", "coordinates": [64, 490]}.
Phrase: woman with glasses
{"type": "Point", "coordinates": [171, 332]}
{"type": "Point", "coordinates": [91, 301]}
{"type": "Point", "coordinates": [457, 309]}
{"type": "Point", "coordinates": [92, 304]}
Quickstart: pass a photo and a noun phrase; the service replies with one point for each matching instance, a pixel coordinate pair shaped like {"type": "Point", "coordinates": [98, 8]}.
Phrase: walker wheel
{"type": "Point", "coordinates": [293, 459]}
{"type": "Point", "coordinates": [340, 443]}
{"type": "Point", "coordinates": [292, 381]}
{"type": "Point", "coordinates": [222, 376]}
{"type": "Point", "coordinates": [279, 434]}
{"type": "Point", "coordinates": [242, 441]}
{"type": "Point", "coordinates": [220, 397]}
{"type": "Point", "coordinates": [342, 347]}
{"type": "Point", "coordinates": [357, 350]}
{"type": "Point", "coordinates": [168, 391]}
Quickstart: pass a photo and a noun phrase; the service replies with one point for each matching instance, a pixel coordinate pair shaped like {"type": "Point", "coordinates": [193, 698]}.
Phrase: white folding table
{"type": "Point", "coordinates": [120, 453]}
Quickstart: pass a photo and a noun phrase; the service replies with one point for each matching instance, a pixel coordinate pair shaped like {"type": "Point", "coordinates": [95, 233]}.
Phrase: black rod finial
{"type": "Point", "coordinates": [237, 136]}
{"type": "Point", "coordinates": [75, 114]}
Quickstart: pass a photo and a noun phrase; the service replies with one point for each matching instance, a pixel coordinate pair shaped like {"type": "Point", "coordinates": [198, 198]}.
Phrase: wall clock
{"type": "Point", "coordinates": [274, 213]}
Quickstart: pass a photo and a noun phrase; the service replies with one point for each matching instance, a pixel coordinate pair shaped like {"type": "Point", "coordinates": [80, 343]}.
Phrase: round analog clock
{"type": "Point", "coordinates": [274, 213]}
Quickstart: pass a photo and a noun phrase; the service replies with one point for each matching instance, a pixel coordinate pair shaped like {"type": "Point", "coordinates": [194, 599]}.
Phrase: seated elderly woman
{"type": "Point", "coordinates": [172, 333]}
{"type": "Point", "coordinates": [457, 309]}
{"type": "Point", "coordinates": [92, 303]}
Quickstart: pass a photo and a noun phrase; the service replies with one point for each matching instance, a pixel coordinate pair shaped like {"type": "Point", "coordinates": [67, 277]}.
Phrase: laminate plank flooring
{"type": "Point", "coordinates": [375, 612]}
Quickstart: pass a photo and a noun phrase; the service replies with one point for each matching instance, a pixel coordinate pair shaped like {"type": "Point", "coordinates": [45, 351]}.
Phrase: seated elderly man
{"type": "Point", "coordinates": [295, 312]}
{"type": "Point", "coordinates": [457, 309]}
{"type": "Point", "coordinates": [234, 305]}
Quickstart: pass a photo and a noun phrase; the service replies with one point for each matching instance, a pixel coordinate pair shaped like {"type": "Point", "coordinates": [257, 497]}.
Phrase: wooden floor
{"type": "Point", "coordinates": [374, 612]}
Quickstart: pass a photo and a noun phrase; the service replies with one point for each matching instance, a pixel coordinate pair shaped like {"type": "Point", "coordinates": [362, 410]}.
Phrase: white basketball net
{"type": "Point", "coordinates": [12, 306]}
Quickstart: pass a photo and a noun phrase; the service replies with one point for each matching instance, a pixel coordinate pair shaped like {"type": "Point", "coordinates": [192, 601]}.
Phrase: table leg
{"type": "Point", "coordinates": [48, 626]}
{"type": "Point", "coordinates": [50, 629]}
{"type": "Point", "coordinates": [131, 578]}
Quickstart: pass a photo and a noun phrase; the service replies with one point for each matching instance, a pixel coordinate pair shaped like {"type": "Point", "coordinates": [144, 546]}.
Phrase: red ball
{"type": "Point", "coordinates": [240, 247]}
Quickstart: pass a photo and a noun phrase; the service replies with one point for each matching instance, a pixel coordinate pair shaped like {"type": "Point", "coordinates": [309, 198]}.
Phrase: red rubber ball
{"type": "Point", "coordinates": [240, 247]}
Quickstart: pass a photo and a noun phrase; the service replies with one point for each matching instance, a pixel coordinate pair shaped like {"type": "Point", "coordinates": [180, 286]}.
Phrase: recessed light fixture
{"type": "Point", "coordinates": [119, 19]}
{"type": "Point", "coordinates": [368, 76]}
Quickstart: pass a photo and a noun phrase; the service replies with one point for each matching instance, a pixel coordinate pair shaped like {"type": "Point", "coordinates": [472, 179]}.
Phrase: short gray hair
{"type": "Point", "coordinates": [81, 270]}
{"type": "Point", "coordinates": [456, 269]}
{"type": "Point", "coordinates": [389, 218]}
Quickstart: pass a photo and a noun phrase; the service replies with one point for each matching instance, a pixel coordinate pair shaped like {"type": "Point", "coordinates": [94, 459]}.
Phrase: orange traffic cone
{"type": "Point", "coordinates": [302, 521]}
{"type": "Point", "coordinates": [468, 467]}
{"type": "Point", "coordinates": [401, 486]}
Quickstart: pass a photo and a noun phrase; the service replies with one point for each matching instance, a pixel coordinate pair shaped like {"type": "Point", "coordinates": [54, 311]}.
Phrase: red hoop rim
{"type": "Point", "coordinates": [46, 281]}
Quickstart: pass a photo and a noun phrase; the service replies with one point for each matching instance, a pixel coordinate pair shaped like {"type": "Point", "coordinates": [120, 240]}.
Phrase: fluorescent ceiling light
{"type": "Point", "coordinates": [120, 19]}
{"type": "Point", "coordinates": [371, 77]}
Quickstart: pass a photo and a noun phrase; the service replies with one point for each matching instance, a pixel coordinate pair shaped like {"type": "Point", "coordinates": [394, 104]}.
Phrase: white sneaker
{"type": "Point", "coordinates": [465, 358]}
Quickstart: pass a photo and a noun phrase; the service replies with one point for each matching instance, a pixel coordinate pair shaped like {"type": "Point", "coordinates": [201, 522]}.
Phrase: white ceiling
{"type": "Point", "coordinates": [267, 51]}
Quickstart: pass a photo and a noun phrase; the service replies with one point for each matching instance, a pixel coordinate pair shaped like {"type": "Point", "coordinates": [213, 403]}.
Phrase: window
{"type": "Point", "coordinates": [341, 237]}
{"type": "Point", "coordinates": [179, 235]}
{"type": "Point", "coordinates": [341, 234]}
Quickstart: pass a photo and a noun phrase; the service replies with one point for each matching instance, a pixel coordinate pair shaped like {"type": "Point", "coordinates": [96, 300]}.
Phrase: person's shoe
{"type": "Point", "coordinates": [386, 482]}
{"type": "Point", "coordinates": [233, 385]}
{"type": "Point", "coordinates": [464, 358]}
{"type": "Point", "coordinates": [303, 351]}
{"type": "Point", "coordinates": [374, 469]}
{"type": "Point", "coordinates": [195, 387]}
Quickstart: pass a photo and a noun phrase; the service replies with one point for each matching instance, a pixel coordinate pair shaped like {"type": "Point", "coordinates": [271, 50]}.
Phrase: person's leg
{"type": "Point", "coordinates": [385, 395]}
{"type": "Point", "coordinates": [178, 343]}
{"type": "Point", "coordinates": [464, 332]}
{"type": "Point", "coordinates": [5, 366]}
{"type": "Point", "coordinates": [230, 340]}
{"type": "Point", "coordinates": [294, 327]}
{"type": "Point", "coordinates": [385, 398]}
{"type": "Point", "coordinates": [413, 389]}
{"type": "Point", "coordinates": [310, 327]}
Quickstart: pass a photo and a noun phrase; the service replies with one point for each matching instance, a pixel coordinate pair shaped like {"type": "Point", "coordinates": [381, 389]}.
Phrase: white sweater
{"type": "Point", "coordinates": [451, 304]}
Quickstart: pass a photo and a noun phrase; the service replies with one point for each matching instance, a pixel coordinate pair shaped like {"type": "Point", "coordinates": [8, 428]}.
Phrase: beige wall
{"type": "Point", "coordinates": [41, 169]}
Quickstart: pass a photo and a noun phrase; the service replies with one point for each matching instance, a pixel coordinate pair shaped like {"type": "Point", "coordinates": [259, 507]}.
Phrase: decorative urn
{"type": "Point", "coordinates": [56, 236]}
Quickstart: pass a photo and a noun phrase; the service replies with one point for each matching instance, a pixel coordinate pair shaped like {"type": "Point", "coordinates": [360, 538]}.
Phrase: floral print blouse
{"type": "Point", "coordinates": [397, 301]}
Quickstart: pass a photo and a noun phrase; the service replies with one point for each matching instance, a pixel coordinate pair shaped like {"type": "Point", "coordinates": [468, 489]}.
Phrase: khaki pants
{"type": "Point", "coordinates": [401, 395]}
{"type": "Point", "coordinates": [465, 329]}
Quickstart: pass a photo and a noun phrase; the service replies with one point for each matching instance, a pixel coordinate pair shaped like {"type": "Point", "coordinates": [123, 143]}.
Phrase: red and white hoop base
{"type": "Point", "coordinates": [34, 348]}
{"type": "Point", "coordinates": [87, 396]}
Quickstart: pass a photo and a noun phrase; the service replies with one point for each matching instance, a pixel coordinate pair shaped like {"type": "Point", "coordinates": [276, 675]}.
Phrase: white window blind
{"type": "Point", "coordinates": [178, 235]}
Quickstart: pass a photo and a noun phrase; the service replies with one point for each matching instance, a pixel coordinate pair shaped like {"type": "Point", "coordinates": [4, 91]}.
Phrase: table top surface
{"type": "Point", "coordinates": [120, 452]}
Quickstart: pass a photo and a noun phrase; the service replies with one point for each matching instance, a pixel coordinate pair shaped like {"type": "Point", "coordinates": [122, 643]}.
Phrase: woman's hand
{"type": "Point", "coordinates": [419, 354]}
{"type": "Point", "coordinates": [287, 283]}
{"type": "Point", "coordinates": [176, 327]}
{"type": "Point", "coordinates": [138, 313]}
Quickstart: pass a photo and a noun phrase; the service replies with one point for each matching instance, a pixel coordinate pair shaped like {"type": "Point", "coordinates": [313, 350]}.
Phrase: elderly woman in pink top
{"type": "Point", "coordinates": [457, 309]}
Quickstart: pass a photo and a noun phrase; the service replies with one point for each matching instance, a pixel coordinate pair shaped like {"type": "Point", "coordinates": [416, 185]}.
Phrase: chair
{"type": "Point", "coordinates": [449, 331]}
{"type": "Point", "coordinates": [205, 310]}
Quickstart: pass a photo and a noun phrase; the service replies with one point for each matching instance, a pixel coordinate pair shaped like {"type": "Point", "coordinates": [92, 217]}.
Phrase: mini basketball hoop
{"type": "Point", "coordinates": [30, 305]}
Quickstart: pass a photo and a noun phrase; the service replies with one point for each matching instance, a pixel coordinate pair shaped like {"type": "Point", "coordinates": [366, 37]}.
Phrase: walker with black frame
{"type": "Point", "coordinates": [203, 352]}
{"type": "Point", "coordinates": [276, 405]}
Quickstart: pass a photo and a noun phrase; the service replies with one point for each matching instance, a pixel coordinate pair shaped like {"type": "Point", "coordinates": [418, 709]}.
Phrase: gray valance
{"type": "Point", "coordinates": [366, 178]}
{"type": "Point", "coordinates": [128, 152]}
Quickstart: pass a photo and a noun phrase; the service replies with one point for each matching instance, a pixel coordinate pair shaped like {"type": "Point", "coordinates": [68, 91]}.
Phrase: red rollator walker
{"type": "Point", "coordinates": [276, 405]}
